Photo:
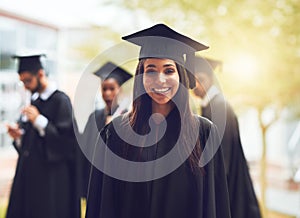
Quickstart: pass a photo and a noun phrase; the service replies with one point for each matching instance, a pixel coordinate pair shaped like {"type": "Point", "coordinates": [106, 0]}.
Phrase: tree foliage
{"type": "Point", "coordinates": [266, 30]}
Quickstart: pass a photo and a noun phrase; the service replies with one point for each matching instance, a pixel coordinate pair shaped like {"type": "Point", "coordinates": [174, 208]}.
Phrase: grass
{"type": "Point", "coordinates": [3, 206]}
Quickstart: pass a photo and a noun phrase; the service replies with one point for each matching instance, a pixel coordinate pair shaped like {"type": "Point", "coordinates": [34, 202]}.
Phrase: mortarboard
{"type": "Point", "coordinates": [31, 63]}
{"type": "Point", "coordinates": [110, 70]}
{"type": "Point", "coordinates": [160, 41]}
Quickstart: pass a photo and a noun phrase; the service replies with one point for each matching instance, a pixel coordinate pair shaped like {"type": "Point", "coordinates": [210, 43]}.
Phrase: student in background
{"type": "Point", "coordinates": [43, 185]}
{"type": "Point", "coordinates": [112, 78]}
{"type": "Point", "coordinates": [214, 106]}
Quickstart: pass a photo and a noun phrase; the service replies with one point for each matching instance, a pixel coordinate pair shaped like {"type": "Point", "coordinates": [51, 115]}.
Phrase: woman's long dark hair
{"type": "Point", "coordinates": [142, 110]}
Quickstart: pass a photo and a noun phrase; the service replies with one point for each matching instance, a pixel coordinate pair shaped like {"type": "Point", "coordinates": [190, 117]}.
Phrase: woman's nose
{"type": "Point", "coordinates": [161, 77]}
{"type": "Point", "coordinates": [107, 93]}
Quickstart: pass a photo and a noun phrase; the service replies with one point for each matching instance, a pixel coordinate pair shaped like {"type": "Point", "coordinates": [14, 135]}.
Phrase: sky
{"type": "Point", "coordinates": [69, 13]}
{"type": "Point", "coordinates": [55, 11]}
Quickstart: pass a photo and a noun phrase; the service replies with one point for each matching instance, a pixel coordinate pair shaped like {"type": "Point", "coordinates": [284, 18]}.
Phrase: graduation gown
{"type": "Point", "coordinates": [243, 200]}
{"type": "Point", "coordinates": [88, 140]}
{"type": "Point", "coordinates": [182, 193]}
{"type": "Point", "coordinates": [43, 185]}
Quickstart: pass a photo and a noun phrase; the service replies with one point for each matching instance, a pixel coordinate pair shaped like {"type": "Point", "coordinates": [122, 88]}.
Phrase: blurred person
{"type": "Point", "coordinates": [43, 185]}
{"type": "Point", "coordinates": [215, 107]}
{"type": "Point", "coordinates": [189, 189]}
{"type": "Point", "coordinates": [112, 78]}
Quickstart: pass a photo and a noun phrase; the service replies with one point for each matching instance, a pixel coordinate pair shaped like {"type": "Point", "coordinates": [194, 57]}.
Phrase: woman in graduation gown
{"type": "Point", "coordinates": [189, 183]}
{"type": "Point", "coordinates": [112, 78]}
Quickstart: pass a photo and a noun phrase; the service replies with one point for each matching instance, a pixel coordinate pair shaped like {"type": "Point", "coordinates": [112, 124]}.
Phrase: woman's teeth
{"type": "Point", "coordinates": [161, 90]}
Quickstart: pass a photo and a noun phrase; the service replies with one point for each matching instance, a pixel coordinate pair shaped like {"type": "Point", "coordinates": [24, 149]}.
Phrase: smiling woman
{"type": "Point", "coordinates": [161, 80]}
{"type": "Point", "coordinates": [161, 174]}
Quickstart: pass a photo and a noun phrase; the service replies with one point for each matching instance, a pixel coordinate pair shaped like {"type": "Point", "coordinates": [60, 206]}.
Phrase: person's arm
{"type": "Point", "coordinates": [95, 193]}
{"type": "Point", "coordinates": [40, 124]}
{"type": "Point", "coordinates": [38, 120]}
{"type": "Point", "coordinates": [16, 134]}
{"type": "Point", "coordinates": [58, 136]}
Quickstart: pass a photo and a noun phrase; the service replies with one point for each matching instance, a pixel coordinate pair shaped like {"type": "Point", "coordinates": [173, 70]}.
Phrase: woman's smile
{"type": "Point", "coordinates": [161, 90]}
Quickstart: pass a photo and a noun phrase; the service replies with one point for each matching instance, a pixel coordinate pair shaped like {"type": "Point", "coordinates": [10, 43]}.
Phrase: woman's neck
{"type": "Point", "coordinates": [163, 109]}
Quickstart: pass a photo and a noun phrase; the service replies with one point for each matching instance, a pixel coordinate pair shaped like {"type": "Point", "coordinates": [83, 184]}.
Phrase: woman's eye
{"type": "Point", "coordinates": [169, 71]}
{"type": "Point", "coordinates": [151, 73]}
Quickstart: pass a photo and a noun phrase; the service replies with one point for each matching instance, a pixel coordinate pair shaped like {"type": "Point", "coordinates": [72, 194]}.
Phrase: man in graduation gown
{"type": "Point", "coordinates": [214, 106]}
{"type": "Point", "coordinates": [43, 185]}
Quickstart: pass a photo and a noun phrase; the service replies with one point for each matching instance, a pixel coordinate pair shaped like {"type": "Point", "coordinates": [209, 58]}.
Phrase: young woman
{"type": "Point", "coordinates": [170, 165]}
{"type": "Point", "coordinates": [112, 78]}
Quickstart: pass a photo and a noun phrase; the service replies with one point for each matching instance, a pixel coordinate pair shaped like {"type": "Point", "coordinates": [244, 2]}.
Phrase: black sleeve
{"type": "Point", "coordinates": [25, 127]}
{"type": "Point", "coordinates": [18, 149]}
{"type": "Point", "coordinates": [59, 139]}
{"type": "Point", "coordinates": [103, 200]}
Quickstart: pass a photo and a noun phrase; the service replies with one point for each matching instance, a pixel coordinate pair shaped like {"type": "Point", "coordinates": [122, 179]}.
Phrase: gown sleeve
{"type": "Point", "coordinates": [94, 195]}
{"type": "Point", "coordinates": [59, 138]}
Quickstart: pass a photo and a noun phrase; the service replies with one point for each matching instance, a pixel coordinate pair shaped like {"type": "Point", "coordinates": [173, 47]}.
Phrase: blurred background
{"type": "Point", "coordinates": [258, 43]}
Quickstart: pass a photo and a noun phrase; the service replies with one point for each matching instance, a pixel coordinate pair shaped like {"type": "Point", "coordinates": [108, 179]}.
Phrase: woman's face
{"type": "Point", "coordinates": [109, 88]}
{"type": "Point", "coordinates": [161, 79]}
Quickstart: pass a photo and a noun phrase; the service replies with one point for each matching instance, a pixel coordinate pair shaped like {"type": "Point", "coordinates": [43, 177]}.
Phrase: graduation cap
{"type": "Point", "coordinates": [110, 70]}
{"type": "Point", "coordinates": [160, 41]}
{"type": "Point", "coordinates": [206, 65]}
{"type": "Point", "coordinates": [31, 63]}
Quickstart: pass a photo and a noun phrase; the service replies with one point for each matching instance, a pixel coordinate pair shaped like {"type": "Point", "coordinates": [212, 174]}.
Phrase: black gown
{"type": "Point", "coordinates": [44, 184]}
{"type": "Point", "coordinates": [243, 199]}
{"type": "Point", "coordinates": [88, 140]}
{"type": "Point", "coordinates": [182, 193]}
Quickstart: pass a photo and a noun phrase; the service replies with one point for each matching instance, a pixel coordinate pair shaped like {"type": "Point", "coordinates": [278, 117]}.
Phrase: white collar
{"type": "Point", "coordinates": [50, 89]}
{"type": "Point", "coordinates": [211, 93]}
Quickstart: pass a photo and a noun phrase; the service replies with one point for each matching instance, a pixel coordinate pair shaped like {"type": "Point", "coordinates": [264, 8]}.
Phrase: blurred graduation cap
{"type": "Point", "coordinates": [206, 65]}
{"type": "Point", "coordinates": [110, 70]}
{"type": "Point", "coordinates": [160, 41]}
{"type": "Point", "coordinates": [31, 63]}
